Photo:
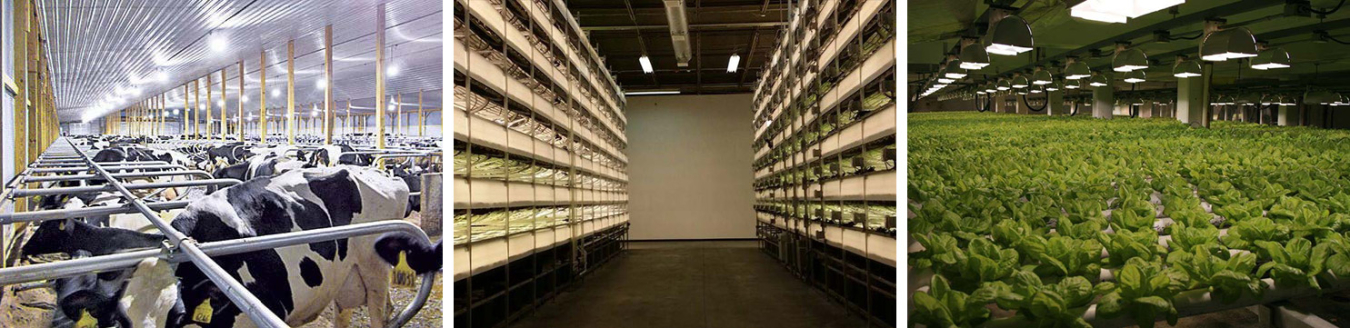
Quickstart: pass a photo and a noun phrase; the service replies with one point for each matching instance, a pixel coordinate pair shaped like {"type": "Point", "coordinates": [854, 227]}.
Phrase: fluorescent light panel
{"type": "Point", "coordinates": [652, 93]}
{"type": "Point", "coordinates": [646, 64]}
{"type": "Point", "coordinates": [734, 63]}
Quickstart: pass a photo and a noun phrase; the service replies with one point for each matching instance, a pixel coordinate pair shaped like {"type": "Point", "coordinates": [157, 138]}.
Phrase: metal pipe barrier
{"type": "Point", "coordinates": [79, 177]}
{"type": "Point", "coordinates": [120, 186]}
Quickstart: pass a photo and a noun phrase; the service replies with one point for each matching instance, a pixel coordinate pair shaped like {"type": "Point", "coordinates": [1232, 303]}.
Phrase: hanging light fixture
{"type": "Point", "coordinates": [945, 80]}
{"type": "Point", "coordinates": [1118, 11]}
{"type": "Point", "coordinates": [1186, 68]}
{"type": "Point", "coordinates": [1019, 82]}
{"type": "Point", "coordinates": [1320, 97]}
{"type": "Point", "coordinates": [1077, 69]}
{"type": "Point", "coordinates": [1052, 87]}
{"type": "Point", "coordinates": [973, 56]}
{"type": "Point", "coordinates": [1134, 77]}
{"type": "Point", "coordinates": [1098, 80]}
{"type": "Point", "coordinates": [953, 69]}
{"type": "Point", "coordinates": [1041, 77]}
{"type": "Point", "coordinates": [1036, 89]}
{"type": "Point", "coordinates": [1009, 36]}
{"type": "Point", "coordinates": [989, 88]}
{"type": "Point", "coordinates": [1127, 60]}
{"type": "Point", "coordinates": [1271, 59]}
{"type": "Point", "coordinates": [1228, 44]}
{"type": "Point", "coordinates": [1003, 85]}
{"type": "Point", "coordinates": [1071, 84]}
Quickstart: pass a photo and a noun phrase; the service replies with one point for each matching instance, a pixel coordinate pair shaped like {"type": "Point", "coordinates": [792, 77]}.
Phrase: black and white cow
{"type": "Point", "coordinates": [334, 155]}
{"type": "Point", "coordinates": [259, 166]}
{"type": "Point", "coordinates": [226, 154]}
{"type": "Point", "coordinates": [296, 282]}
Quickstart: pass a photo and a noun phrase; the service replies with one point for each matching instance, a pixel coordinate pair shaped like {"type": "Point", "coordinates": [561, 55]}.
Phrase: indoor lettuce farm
{"type": "Point", "coordinates": [1071, 221]}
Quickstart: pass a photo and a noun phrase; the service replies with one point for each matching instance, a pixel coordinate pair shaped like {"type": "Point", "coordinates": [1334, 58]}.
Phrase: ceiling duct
{"type": "Point", "coordinates": [679, 31]}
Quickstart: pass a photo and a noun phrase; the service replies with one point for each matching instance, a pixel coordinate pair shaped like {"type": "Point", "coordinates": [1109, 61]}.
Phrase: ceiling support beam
{"type": "Point", "coordinates": [754, 42]}
{"type": "Point", "coordinates": [698, 65]}
{"type": "Point", "coordinates": [690, 27]}
{"type": "Point", "coordinates": [679, 30]}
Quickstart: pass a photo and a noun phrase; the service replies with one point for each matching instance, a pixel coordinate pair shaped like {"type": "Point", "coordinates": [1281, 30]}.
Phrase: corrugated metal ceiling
{"type": "Point", "coordinates": [102, 52]}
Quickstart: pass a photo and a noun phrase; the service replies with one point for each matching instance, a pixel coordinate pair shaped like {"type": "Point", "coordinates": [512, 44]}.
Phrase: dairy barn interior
{"type": "Point", "coordinates": [221, 163]}
{"type": "Point", "coordinates": [674, 163]}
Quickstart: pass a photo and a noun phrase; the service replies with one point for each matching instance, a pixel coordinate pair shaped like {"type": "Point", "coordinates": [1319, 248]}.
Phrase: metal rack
{"type": "Point", "coordinates": [65, 156]}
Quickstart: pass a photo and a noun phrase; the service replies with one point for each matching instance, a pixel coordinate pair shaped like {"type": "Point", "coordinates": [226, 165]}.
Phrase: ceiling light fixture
{"type": "Point", "coordinates": [1072, 84]}
{"type": "Point", "coordinates": [973, 56]}
{"type": "Point", "coordinates": [1041, 77]}
{"type": "Point", "coordinates": [1271, 59]}
{"type": "Point", "coordinates": [1228, 44]}
{"type": "Point", "coordinates": [734, 63]}
{"type": "Point", "coordinates": [953, 69]}
{"type": "Point", "coordinates": [1127, 59]}
{"type": "Point", "coordinates": [1009, 35]}
{"type": "Point", "coordinates": [1186, 68]}
{"type": "Point", "coordinates": [1119, 11]}
{"type": "Point", "coordinates": [1076, 69]}
{"type": "Point", "coordinates": [1098, 80]}
{"type": "Point", "coordinates": [218, 43]}
{"type": "Point", "coordinates": [646, 64]}
{"type": "Point", "coordinates": [1134, 77]}
{"type": "Point", "coordinates": [1052, 87]}
{"type": "Point", "coordinates": [1003, 85]}
{"type": "Point", "coordinates": [1019, 82]}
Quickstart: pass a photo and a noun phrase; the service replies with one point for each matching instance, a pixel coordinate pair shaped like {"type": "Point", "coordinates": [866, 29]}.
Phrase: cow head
{"type": "Point", "coordinates": [53, 236]}
{"type": "Point", "coordinates": [81, 298]}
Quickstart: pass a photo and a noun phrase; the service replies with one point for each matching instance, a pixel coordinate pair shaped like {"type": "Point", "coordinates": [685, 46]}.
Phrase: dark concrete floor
{"type": "Point", "coordinates": [691, 284]}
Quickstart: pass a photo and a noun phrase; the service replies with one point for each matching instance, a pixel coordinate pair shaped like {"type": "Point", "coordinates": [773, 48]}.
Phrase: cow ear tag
{"type": "Point", "coordinates": [203, 312]}
{"type": "Point", "coordinates": [165, 215]}
{"type": "Point", "coordinates": [403, 274]}
{"type": "Point", "coordinates": [86, 320]}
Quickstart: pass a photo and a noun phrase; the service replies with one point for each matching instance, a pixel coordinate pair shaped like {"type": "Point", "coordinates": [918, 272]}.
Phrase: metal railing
{"type": "Point", "coordinates": [65, 157]}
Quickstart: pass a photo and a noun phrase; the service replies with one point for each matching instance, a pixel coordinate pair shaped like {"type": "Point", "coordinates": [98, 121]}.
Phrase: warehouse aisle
{"type": "Point", "coordinates": [691, 284]}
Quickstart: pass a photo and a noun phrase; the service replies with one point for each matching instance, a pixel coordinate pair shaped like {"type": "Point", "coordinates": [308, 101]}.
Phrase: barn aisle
{"type": "Point", "coordinates": [691, 284]}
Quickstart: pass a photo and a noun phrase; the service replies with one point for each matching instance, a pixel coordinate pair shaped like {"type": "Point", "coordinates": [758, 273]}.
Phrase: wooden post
{"type": "Point", "coordinates": [262, 96]}
{"type": "Point", "coordinates": [223, 104]}
{"type": "Point", "coordinates": [241, 101]}
{"type": "Point", "coordinates": [379, 76]}
{"type": "Point", "coordinates": [421, 116]}
{"type": "Point", "coordinates": [207, 130]}
{"type": "Point", "coordinates": [329, 108]}
{"type": "Point", "coordinates": [196, 109]}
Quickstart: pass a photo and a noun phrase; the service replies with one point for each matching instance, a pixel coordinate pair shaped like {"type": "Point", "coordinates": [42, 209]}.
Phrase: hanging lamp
{"type": "Point", "coordinates": [1186, 68]}
{"type": "Point", "coordinates": [973, 56]}
{"type": "Point", "coordinates": [1009, 35]}
{"type": "Point", "coordinates": [1228, 44]}
{"type": "Point", "coordinates": [1135, 76]}
{"type": "Point", "coordinates": [1271, 59]}
{"type": "Point", "coordinates": [1127, 59]}
{"type": "Point", "coordinates": [1076, 69]}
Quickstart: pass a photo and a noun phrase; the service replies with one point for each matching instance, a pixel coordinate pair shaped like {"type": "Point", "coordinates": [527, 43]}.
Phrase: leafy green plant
{"type": "Point", "coordinates": [1142, 291]}
{"type": "Point", "coordinates": [1244, 234]}
{"type": "Point", "coordinates": [1064, 256]}
{"type": "Point", "coordinates": [1211, 266]}
{"type": "Point", "coordinates": [1124, 245]}
{"type": "Point", "coordinates": [942, 306]}
{"type": "Point", "coordinates": [1059, 304]}
{"type": "Point", "coordinates": [1294, 264]}
{"type": "Point", "coordinates": [1186, 238]}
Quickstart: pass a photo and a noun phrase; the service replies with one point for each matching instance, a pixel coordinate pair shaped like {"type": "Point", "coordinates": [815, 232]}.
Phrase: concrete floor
{"type": "Point", "coordinates": [692, 284]}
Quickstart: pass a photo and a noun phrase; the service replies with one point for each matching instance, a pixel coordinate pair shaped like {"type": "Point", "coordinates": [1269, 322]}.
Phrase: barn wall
{"type": "Point", "coordinates": [689, 167]}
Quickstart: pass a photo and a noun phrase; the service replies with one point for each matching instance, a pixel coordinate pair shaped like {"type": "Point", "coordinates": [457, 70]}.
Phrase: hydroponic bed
{"type": "Point", "coordinates": [1064, 221]}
